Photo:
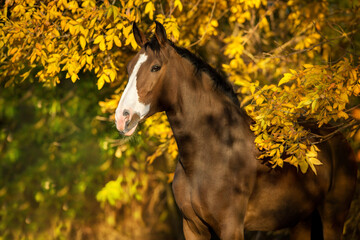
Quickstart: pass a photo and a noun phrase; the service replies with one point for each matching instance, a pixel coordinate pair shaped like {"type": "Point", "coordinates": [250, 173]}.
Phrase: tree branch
{"type": "Point", "coordinates": [330, 135]}
{"type": "Point", "coordinates": [206, 28]}
{"type": "Point", "coordinates": [252, 30]}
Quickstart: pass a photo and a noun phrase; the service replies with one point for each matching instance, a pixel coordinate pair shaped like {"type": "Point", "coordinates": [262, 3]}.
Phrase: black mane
{"type": "Point", "coordinates": [200, 66]}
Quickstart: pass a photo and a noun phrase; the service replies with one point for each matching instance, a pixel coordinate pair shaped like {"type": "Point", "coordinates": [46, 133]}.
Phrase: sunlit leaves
{"type": "Point", "coordinates": [67, 29]}
{"type": "Point", "coordinates": [170, 24]}
{"type": "Point", "coordinates": [101, 41]}
{"type": "Point", "coordinates": [287, 77]}
{"type": "Point", "coordinates": [159, 128]}
{"type": "Point", "coordinates": [315, 93]}
{"type": "Point", "coordinates": [149, 9]}
{"type": "Point", "coordinates": [178, 4]}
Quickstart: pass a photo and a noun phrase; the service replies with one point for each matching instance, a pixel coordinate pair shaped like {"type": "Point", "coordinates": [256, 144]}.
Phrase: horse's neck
{"type": "Point", "coordinates": [195, 102]}
{"type": "Point", "coordinates": [205, 122]}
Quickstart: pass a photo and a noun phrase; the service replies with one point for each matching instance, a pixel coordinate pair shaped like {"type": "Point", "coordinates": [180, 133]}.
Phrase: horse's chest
{"type": "Point", "coordinates": [204, 197]}
{"type": "Point", "coordinates": [192, 196]}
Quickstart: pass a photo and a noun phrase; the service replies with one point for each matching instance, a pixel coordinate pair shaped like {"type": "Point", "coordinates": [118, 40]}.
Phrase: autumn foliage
{"type": "Point", "coordinates": [294, 65]}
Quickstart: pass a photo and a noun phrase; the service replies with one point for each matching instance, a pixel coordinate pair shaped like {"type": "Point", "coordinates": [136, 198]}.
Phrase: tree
{"type": "Point", "coordinates": [291, 62]}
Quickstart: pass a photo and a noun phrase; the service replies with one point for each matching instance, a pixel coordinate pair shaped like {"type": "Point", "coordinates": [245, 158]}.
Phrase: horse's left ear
{"type": "Point", "coordinates": [160, 33]}
{"type": "Point", "coordinates": [139, 36]}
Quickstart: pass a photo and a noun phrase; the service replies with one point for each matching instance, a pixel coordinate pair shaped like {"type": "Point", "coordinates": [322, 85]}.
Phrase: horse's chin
{"type": "Point", "coordinates": [131, 131]}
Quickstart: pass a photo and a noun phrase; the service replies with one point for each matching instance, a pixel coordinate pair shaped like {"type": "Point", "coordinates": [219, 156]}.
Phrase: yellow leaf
{"type": "Point", "coordinates": [92, 23]}
{"type": "Point", "coordinates": [293, 71]}
{"type": "Point", "coordinates": [150, 8]}
{"type": "Point", "coordinates": [170, 177]}
{"type": "Point", "coordinates": [25, 75]}
{"type": "Point", "coordinates": [72, 29]}
{"type": "Point", "coordinates": [110, 37]}
{"type": "Point", "coordinates": [292, 160]}
{"type": "Point", "coordinates": [115, 11]}
{"type": "Point", "coordinates": [131, 40]}
{"type": "Point", "coordinates": [342, 114]}
{"type": "Point", "coordinates": [106, 78]}
{"type": "Point", "coordinates": [329, 108]}
{"type": "Point", "coordinates": [303, 166]}
{"type": "Point", "coordinates": [179, 5]}
{"type": "Point", "coordinates": [250, 107]}
{"type": "Point", "coordinates": [119, 26]}
{"type": "Point", "coordinates": [12, 51]}
{"type": "Point", "coordinates": [315, 161]}
{"type": "Point", "coordinates": [112, 75]}
{"type": "Point", "coordinates": [127, 30]}
{"type": "Point", "coordinates": [311, 154]}
{"type": "Point", "coordinates": [272, 153]}
{"type": "Point", "coordinates": [109, 12]}
{"type": "Point", "coordinates": [260, 100]}
{"type": "Point", "coordinates": [314, 106]}
{"type": "Point", "coordinates": [214, 23]}
{"type": "Point", "coordinates": [279, 162]}
{"type": "Point", "coordinates": [32, 58]}
{"type": "Point", "coordinates": [89, 59]}
{"type": "Point", "coordinates": [109, 45]}
{"type": "Point", "coordinates": [74, 77]}
{"type": "Point", "coordinates": [99, 39]}
{"type": "Point", "coordinates": [302, 146]}
{"type": "Point", "coordinates": [117, 41]}
{"type": "Point", "coordinates": [344, 97]}
{"type": "Point", "coordinates": [83, 60]}
{"type": "Point", "coordinates": [100, 82]}
{"type": "Point", "coordinates": [97, 68]}
{"type": "Point", "coordinates": [305, 102]}
{"type": "Point", "coordinates": [312, 167]}
{"type": "Point", "coordinates": [82, 42]}
{"type": "Point", "coordinates": [102, 46]}
{"type": "Point", "coordinates": [287, 77]}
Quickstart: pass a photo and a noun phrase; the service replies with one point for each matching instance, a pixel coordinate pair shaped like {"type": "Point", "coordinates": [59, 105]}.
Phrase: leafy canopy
{"type": "Point", "coordinates": [294, 64]}
{"type": "Point", "coordinates": [51, 38]}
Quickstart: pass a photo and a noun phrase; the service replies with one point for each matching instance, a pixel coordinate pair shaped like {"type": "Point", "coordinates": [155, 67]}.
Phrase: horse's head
{"type": "Point", "coordinates": [146, 70]}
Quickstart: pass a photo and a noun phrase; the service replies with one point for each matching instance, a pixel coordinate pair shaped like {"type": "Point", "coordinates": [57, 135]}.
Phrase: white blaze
{"type": "Point", "coordinates": [130, 98]}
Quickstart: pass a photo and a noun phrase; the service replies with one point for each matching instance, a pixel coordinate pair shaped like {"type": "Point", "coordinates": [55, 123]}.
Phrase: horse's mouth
{"type": "Point", "coordinates": [131, 125]}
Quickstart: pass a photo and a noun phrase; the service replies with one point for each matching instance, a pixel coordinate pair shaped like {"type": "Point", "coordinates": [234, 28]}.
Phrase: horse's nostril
{"type": "Point", "coordinates": [126, 113]}
{"type": "Point", "coordinates": [127, 123]}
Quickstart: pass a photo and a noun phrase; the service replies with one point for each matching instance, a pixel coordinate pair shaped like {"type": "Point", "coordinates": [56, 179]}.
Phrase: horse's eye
{"type": "Point", "coordinates": [155, 68]}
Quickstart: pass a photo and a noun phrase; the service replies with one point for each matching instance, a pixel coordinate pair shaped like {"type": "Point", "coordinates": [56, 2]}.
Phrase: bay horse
{"type": "Point", "coordinates": [219, 185]}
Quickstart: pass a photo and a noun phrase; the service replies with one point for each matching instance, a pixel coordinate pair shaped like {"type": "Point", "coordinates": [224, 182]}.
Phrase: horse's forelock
{"type": "Point", "coordinates": [153, 44]}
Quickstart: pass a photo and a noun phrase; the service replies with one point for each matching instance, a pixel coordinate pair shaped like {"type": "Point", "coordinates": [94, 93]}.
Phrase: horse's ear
{"type": "Point", "coordinates": [160, 33]}
{"type": "Point", "coordinates": [139, 36]}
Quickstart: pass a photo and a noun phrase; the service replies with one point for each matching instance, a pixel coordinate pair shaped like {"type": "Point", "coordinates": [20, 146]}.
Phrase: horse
{"type": "Point", "coordinates": [220, 186]}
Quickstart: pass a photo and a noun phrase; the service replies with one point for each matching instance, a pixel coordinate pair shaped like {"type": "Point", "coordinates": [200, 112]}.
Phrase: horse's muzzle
{"type": "Point", "coordinates": [127, 122]}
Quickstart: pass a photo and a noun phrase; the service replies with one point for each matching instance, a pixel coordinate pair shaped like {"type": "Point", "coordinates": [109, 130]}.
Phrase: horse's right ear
{"type": "Point", "coordinates": [139, 36]}
{"type": "Point", "coordinates": [160, 33]}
